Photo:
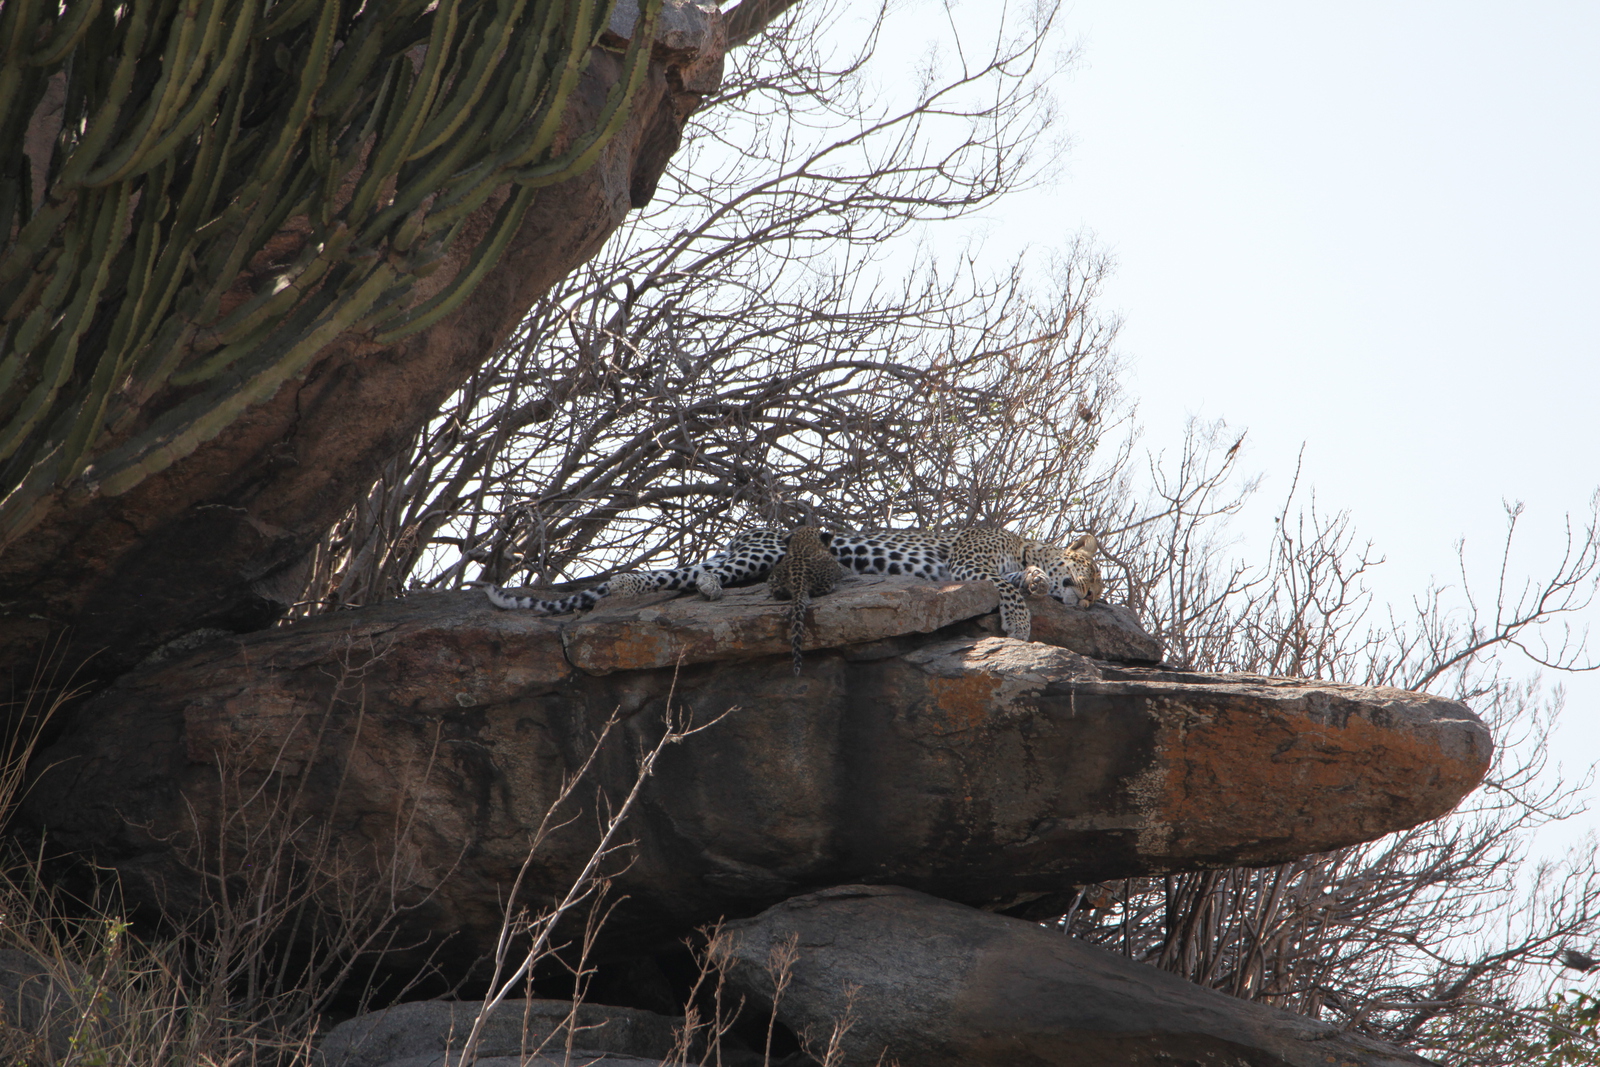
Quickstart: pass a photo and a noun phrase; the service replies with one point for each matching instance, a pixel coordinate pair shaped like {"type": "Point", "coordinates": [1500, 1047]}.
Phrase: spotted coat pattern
{"type": "Point", "coordinates": [805, 571]}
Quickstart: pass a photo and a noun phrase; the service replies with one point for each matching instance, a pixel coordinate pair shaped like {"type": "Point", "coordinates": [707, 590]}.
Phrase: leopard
{"type": "Point", "coordinates": [807, 570]}
{"type": "Point", "coordinates": [1014, 564]}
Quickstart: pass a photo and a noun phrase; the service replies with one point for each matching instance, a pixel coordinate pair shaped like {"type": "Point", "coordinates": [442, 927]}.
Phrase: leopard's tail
{"type": "Point", "coordinates": [797, 624]}
{"type": "Point", "coordinates": [582, 600]}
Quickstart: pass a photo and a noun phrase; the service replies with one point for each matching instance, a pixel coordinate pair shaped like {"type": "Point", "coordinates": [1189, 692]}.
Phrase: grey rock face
{"type": "Point", "coordinates": [53, 1006]}
{"type": "Point", "coordinates": [419, 1034]}
{"type": "Point", "coordinates": [936, 984]}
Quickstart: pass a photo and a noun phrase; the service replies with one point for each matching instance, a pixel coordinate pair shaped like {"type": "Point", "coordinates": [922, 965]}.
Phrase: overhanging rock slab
{"type": "Point", "coordinates": [985, 770]}
{"type": "Point", "coordinates": [641, 633]}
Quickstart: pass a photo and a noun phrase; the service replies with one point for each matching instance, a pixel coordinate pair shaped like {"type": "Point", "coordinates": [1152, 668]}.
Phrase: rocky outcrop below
{"type": "Point", "coordinates": [931, 983]}
{"type": "Point", "coordinates": [518, 1033]}
{"type": "Point", "coordinates": [895, 976]}
{"type": "Point", "coordinates": [915, 749]}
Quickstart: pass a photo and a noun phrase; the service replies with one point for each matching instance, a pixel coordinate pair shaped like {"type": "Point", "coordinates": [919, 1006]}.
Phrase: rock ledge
{"type": "Point", "coordinates": [914, 749]}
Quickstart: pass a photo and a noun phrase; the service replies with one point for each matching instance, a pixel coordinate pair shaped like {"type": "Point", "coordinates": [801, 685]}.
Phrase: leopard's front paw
{"type": "Point", "coordinates": [1035, 581]}
{"type": "Point", "coordinates": [1016, 621]}
{"type": "Point", "coordinates": [709, 586]}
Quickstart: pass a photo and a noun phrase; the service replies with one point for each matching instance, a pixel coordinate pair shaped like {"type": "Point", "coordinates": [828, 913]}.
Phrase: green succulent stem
{"type": "Point", "coordinates": [196, 136]}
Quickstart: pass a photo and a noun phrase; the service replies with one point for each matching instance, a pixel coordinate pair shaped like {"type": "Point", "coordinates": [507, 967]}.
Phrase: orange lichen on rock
{"type": "Point", "coordinates": [1266, 756]}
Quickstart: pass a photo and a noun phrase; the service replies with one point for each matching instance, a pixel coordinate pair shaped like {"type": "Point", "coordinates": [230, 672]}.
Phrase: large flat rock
{"type": "Point", "coordinates": [666, 629]}
{"type": "Point", "coordinates": [1088, 767]}
{"type": "Point", "coordinates": [936, 984]}
{"type": "Point", "coordinates": [982, 769]}
{"type": "Point", "coordinates": [638, 633]}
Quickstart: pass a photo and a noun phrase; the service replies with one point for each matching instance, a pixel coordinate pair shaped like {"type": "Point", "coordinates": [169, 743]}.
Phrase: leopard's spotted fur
{"type": "Point", "coordinates": [805, 571]}
{"type": "Point", "coordinates": [1014, 564]}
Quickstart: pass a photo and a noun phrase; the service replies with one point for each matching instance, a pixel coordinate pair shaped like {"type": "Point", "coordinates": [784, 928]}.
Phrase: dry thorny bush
{"type": "Point", "coordinates": [286, 917]}
{"type": "Point", "coordinates": [737, 347]}
{"type": "Point", "coordinates": [290, 914]}
{"type": "Point", "coordinates": [737, 350]}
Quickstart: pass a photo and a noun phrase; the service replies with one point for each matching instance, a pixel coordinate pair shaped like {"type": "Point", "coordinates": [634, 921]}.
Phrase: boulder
{"type": "Point", "coordinates": [438, 730]}
{"type": "Point", "coordinates": [50, 1008]}
{"type": "Point", "coordinates": [664, 630]}
{"type": "Point", "coordinates": [420, 1033]}
{"type": "Point", "coordinates": [935, 984]}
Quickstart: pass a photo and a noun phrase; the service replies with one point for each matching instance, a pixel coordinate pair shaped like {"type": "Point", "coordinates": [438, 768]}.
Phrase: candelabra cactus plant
{"type": "Point", "coordinates": [196, 196]}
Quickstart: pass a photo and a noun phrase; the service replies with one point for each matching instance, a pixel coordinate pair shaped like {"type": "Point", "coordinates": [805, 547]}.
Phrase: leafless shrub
{"type": "Point", "coordinates": [1422, 936]}
{"type": "Point", "coordinates": [737, 351]}
{"type": "Point", "coordinates": [296, 913]}
{"type": "Point", "coordinates": [781, 959]}
{"type": "Point", "coordinates": [707, 1017]}
{"type": "Point", "coordinates": [742, 345]}
{"type": "Point", "coordinates": [828, 1049]}
{"type": "Point", "coordinates": [539, 929]}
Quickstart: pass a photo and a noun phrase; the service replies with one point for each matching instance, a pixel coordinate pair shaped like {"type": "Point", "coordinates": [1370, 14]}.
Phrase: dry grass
{"type": "Point", "coordinates": [290, 921]}
{"type": "Point", "coordinates": [208, 989]}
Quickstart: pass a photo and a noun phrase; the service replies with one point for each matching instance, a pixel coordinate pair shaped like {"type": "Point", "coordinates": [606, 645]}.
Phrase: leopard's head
{"type": "Point", "coordinates": [808, 540]}
{"type": "Point", "coordinates": [1072, 566]}
{"type": "Point", "coordinates": [629, 584]}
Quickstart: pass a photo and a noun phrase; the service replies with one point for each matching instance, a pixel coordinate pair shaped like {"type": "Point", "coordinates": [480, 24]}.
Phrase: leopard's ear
{"type": "Point", "coordinates": [826, 537]}
{"type": "Point", "coordinates": [1085, 544]}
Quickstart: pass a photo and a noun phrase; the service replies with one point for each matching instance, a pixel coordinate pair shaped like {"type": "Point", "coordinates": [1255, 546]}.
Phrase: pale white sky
{"type": "Point", "coordinates": [1368, 228]}
{"type": "Point", "coordinates": [1371, 230]}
